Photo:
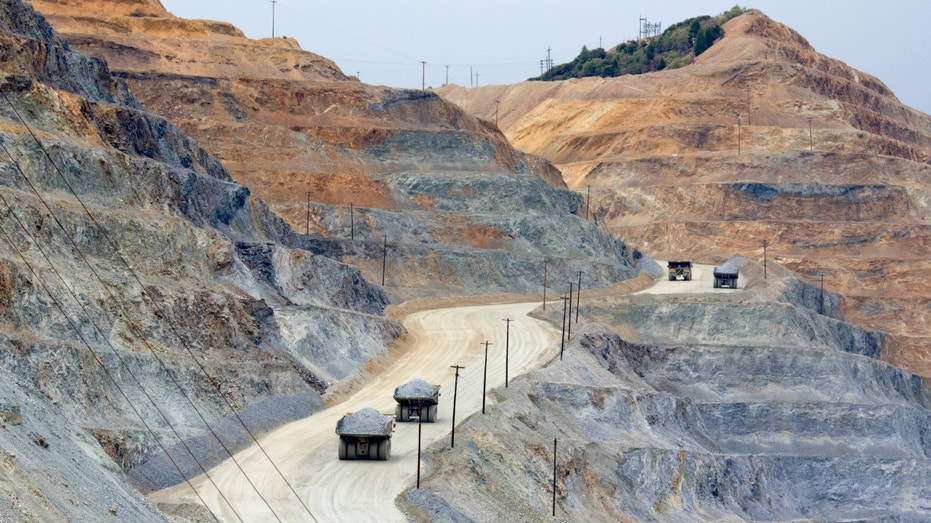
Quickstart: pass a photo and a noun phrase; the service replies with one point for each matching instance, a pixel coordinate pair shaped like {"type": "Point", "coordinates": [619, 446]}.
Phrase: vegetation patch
{"type": "Point", "coordinates": [676, 47]}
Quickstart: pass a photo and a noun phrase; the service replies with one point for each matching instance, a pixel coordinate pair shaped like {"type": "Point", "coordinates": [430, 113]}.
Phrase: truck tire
{"type": "Point", "coordinates": [397, 412]}
{"type": "Point", "coordinates": [405, 413]}
{"type": "Point", "coordinates": [342, 449]}
{"type": "Point", "coordinates": [384, 449]}
{"type": "Point", "coordinates": [351, 450]}
{"type": "Point", "coordinates": [431, 414]}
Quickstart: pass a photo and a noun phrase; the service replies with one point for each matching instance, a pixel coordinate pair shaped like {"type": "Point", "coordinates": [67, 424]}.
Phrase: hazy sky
{"type": "Point", "coordinates": [504, 41]}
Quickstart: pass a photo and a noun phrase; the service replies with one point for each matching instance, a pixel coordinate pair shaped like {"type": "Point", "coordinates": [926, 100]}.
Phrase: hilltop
{"type": "Point", "coordinates": [760, 139]}
{"type": "Point", "coordinates": [675, 47]}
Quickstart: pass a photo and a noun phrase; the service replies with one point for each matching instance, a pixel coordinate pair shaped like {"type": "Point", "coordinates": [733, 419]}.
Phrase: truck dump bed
{"type": "Point", "coordinates": [366, 422]}
{"type": "Point", "coordinates": [417, 391]}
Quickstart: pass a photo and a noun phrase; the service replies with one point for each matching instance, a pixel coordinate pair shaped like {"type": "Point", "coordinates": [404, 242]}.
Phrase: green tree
{"type": "Point", "coordinates": [706, 38]}
{"type": "Point", "coordinates": [694, 28]}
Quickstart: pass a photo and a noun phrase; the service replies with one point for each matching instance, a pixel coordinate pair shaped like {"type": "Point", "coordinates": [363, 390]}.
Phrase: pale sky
{"type": "Point", "coordinates": [483, 42]}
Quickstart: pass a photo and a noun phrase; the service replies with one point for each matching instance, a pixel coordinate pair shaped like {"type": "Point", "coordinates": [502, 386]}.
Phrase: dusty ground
{"type": "Point", "coordinates": [305, 451]}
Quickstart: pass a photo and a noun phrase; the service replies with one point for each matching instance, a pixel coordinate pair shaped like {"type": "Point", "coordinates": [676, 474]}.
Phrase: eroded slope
{"type": "Point", "coordinates": [743, 405]}
{"type": "Point", "coordinates": [761, 139]}
{"type": "Point", "coordinates": [329, 154]}
{"type": "Point", "coordinates": [146, 299]}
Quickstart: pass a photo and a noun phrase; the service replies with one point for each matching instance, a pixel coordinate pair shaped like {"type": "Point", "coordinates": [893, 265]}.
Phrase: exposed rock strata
{"type": "Point", "coordinates": [146, 296]}
{"type": "Point", "coordinates": [313, 143]}
{"type": "Point", "coordinates": [824, 163]}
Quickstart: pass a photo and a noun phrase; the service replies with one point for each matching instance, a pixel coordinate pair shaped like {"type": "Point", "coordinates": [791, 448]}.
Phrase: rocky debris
{"type": "Point", "coordinates": [69, 477]}
{"type": "Point", "coordinates": [727, 268]}
{"type": "Point", "coordinates": [133, 299]}
{"type": "Point", "coordinates": [681, 431]}
{"type": "Point", "coordinates": [365, 422]}
{"type": "Point", "coordinates": [415, 389]}
{"type": "Point", "coordinates": [11, 414]}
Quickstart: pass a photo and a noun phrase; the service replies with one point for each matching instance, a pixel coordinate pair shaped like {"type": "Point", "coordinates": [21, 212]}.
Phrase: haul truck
{"type": "Point", "coordinates": [679, 269]}
{"type": "Point", "coordinates": [725, 276]}
{"type": "Point", "coordinates": [365, 434]}
{"type": "Point", "coordinates": [416, 399]}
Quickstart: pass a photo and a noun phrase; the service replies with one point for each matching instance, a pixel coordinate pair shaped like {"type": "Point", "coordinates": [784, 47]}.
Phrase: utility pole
{"type": "Point", "coordinates": [419, 437]}
{"type": "Point", "coordinates": [507, 342]}
{"type": "Point", "coordinates": [562, 343]}
{"type": "Point", "coordinates": [569, 335]}
{"type": "Point", "coordinates": [452, 440]}
{"type": "Point", "coordinates": [554, 477]}
{"type": "Point", "coordinates": [764, 259]}
{"type": "Point", "coordinates": [578, 296]}
{"type": "Point", "coordinates": [476, 78]}
{"type": "Point", "coordinates": [273, 16]}
{"type": "Point", "coordinates": [307, 220]}
{"type": "Point", "coordinates": [485, 374]}
{"type": "Point", "coordinates": [423, 75]}
{"type": "Point", "coordinates": [384, 261]}
{"type": "Point", "coordinates": [544, 284]}
{"type": "Point", "coordinates": [821, 306]}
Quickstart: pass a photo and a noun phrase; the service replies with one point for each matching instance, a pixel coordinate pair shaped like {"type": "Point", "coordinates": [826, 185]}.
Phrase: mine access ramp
{"type": "Point", "coordinates": [365, 434]}
{"type": "Point", "coordinates": [416, 399]}
{"type": "Point", "coordinates": [680, 270]}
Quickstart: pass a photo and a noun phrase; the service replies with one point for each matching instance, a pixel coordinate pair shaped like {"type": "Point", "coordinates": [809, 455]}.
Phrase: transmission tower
{"type": "Point", "coordinates": [648, 29]}
{"type": "Point", "coordinates": [547, 63]}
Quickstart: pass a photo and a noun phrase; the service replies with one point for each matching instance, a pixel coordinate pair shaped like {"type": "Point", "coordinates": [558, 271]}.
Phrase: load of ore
{"type": "Point", "coordinates": [366, 422]}
{"type": "Point", "coordinates": [416, 389]}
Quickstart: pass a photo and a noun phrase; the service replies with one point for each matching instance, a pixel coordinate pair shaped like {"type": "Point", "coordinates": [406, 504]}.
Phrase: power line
{"type": "Point", "coordinates": [160, 312]}
{"type": "Point", "coordinates": [84, 341]}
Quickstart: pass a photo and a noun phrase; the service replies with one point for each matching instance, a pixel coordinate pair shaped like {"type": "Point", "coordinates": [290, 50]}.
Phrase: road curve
{"type": "Point", "coordinates": [304, 451]}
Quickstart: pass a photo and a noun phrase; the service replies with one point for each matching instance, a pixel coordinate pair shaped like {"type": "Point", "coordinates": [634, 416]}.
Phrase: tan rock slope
{"type": "Point", "coordinates": [284, 121]}
{"type": "Point", "coordinates": [351, 165]}
{"type": "Point", "coordinates": [761, 139]}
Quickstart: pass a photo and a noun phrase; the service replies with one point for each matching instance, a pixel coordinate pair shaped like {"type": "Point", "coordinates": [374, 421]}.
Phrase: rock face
{"type": "Point", "coordinates": [791, 418]}
{"type": "Point", "coordinates": [762, 138]}
{"type": "Point", "coordinates": [147, 301]}
{"type": "Point", "coordinates": [352, 164]}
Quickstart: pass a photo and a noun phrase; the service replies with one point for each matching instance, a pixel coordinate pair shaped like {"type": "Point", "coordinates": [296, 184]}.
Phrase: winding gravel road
{"type": "Point", "coordinates": [356, 491]}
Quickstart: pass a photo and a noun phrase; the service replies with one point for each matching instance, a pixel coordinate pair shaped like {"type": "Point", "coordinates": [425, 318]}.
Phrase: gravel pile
{"type": "Point", "coordinates": [727, 268]}
{"type": "Point", "coordinates": [366, 422]}
{"type": "Point", "coordinates": [416, 389]}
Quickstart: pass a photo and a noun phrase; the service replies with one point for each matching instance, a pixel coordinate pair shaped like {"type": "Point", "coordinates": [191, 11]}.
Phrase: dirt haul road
{"type": "Point", "coordinates": [702, 281]}
{"type": "Point", "coordinates": [305, 451]}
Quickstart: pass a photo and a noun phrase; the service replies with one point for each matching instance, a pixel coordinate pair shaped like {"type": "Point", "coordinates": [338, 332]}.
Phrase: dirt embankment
{"type": "Point", "coordinates": [761, 139]}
